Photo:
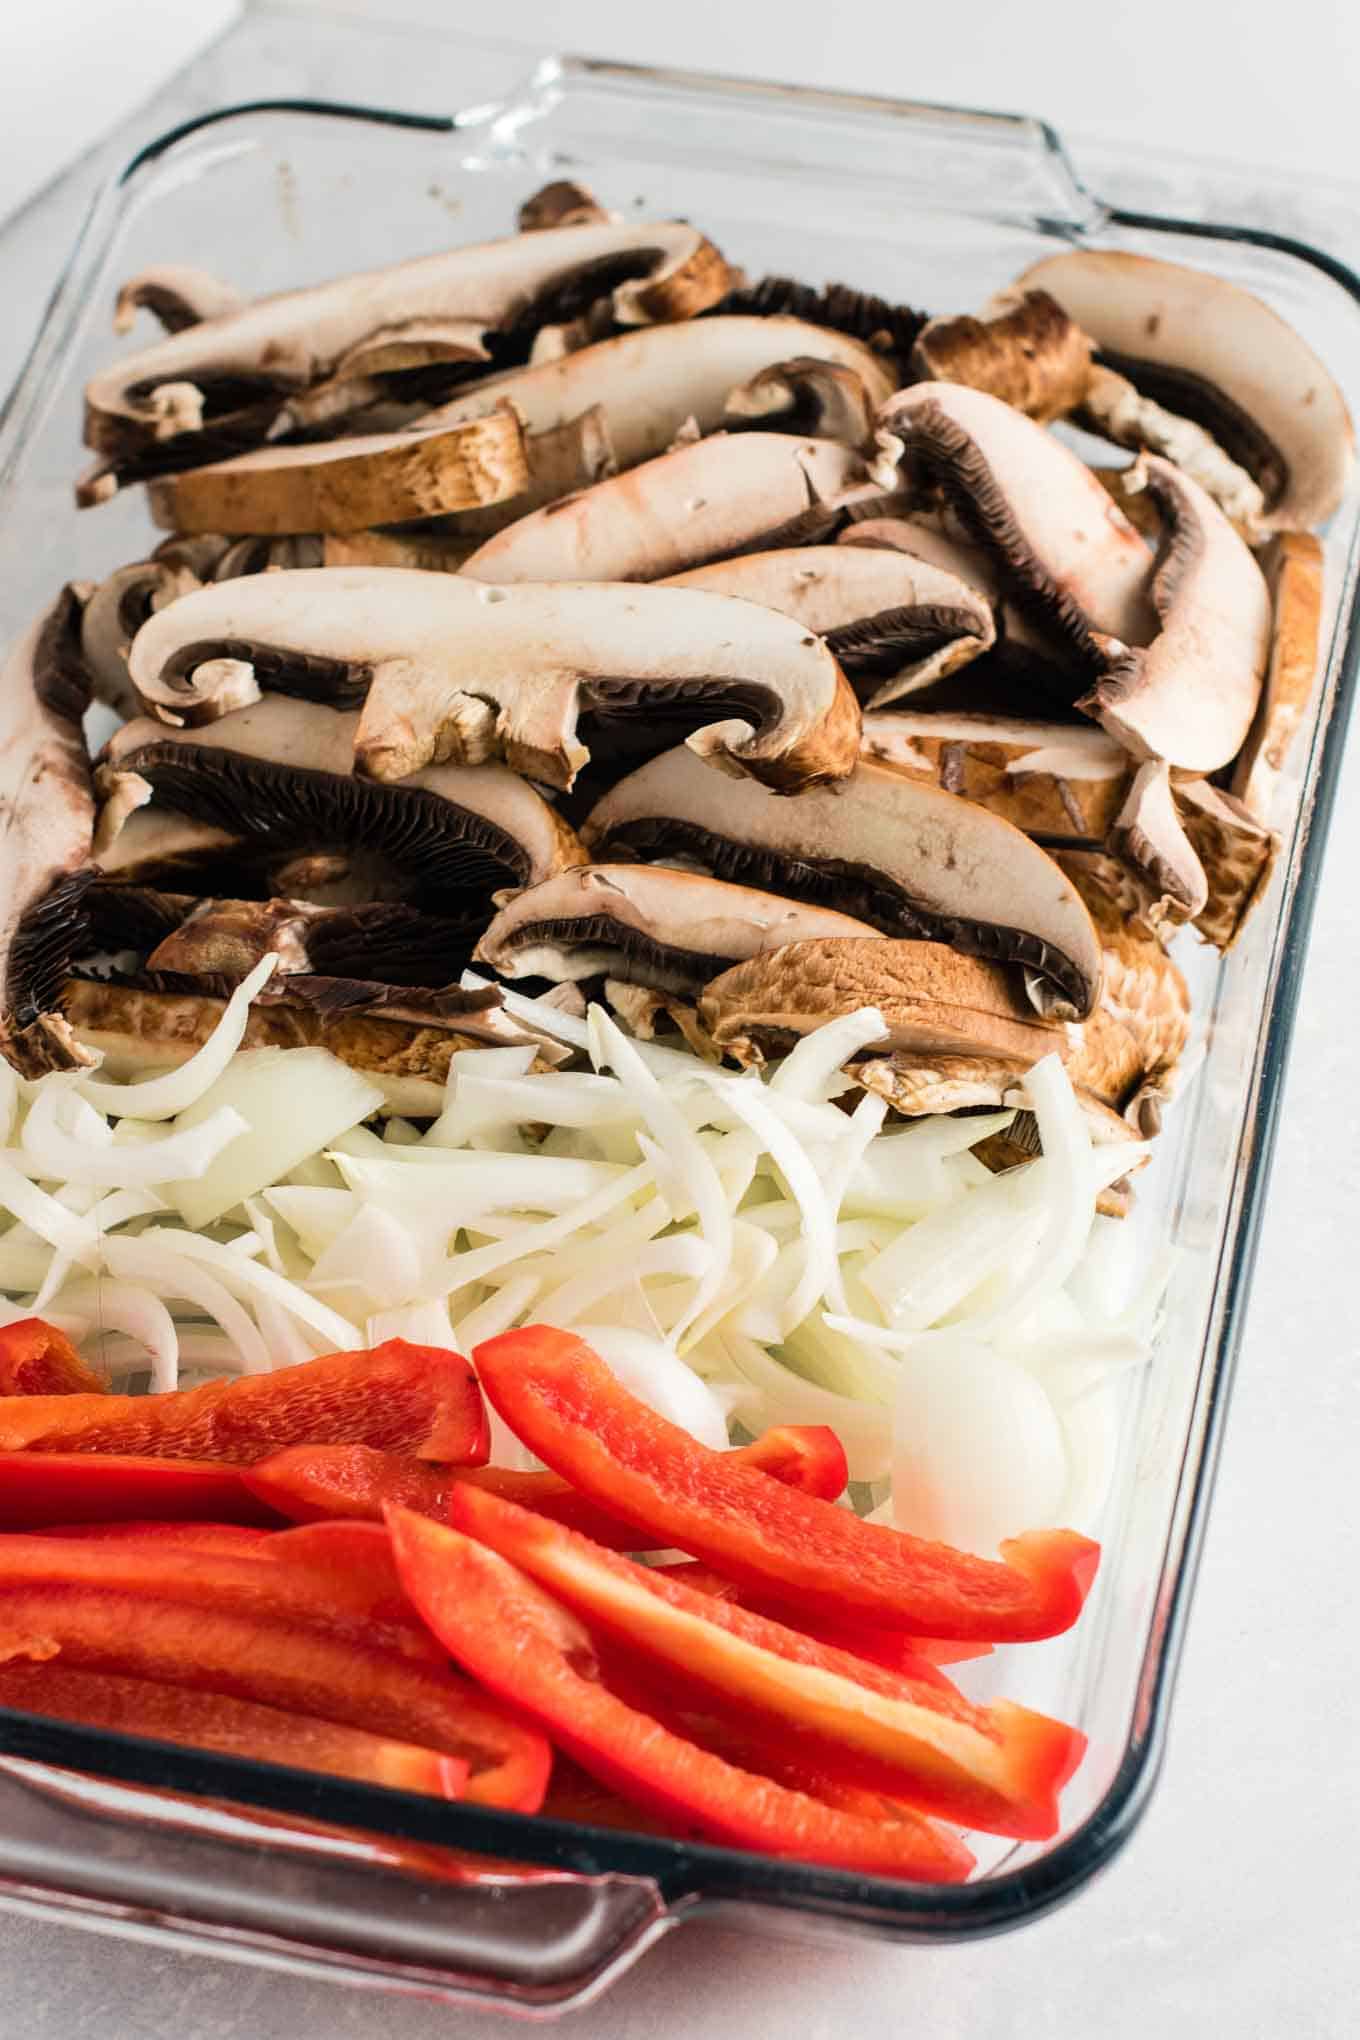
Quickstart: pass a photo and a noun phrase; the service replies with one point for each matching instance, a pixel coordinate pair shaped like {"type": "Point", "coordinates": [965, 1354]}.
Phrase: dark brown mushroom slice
{"type": "Point", "coordinates": [907, 857]}
{"type": "Point", "coordinates": [176, 295]}
{"type": "Point", "coordinates": [562, 203]}
{"type": "Point", "coordinates": [669, 930]}
{"type": "Point", "coordinates": [1059, 782]}
{"type": "Point", "coordinates": [48, 810]}
{"type": "Point", "coordinates": [1031, 355]}
{"type": "Point", "coordinates": [449, 668]}
{"type": "Point", "coordinates": [219, 387]}
{"type": "Point", "coordinates": [1062, 547]}
{"type": "Point", "coordinates": [1213, 353]}
{"type": "Point", "coordinates": [280, 774]}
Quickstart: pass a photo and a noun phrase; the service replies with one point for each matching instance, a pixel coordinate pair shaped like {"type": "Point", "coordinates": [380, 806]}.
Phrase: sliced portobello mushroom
{"type": "Point", "coordinates": [1213, 353]}
{"type": "Point", "coordinates": [142, 1027]}
{"type": "Point", "coordinates": [1236, 852]}
{"type": "Point", "coordinates": [1293, 567]}
{"type": "Point", "coordinates": [1189, 695]}
{"type": "Point", "coordinates": [222, 384]}
{"type": "Point", "coordinates": [349, 484]}
{"type": "Point", "coordinates": [1031, 355]}
{"type": "Point", "coordinates": [894, 623]}
{"type": "Point", "coordinates": [449, 668]}
{"type": "Point", "coordinates": [1149, 834]}
{"type": "Point", "coordinates": [730, 493]}
{"type": "Point", "coordinates": [1064, 551]}
{"type": "Point", "coordinates": [1059, 782]}
{"type": "Point", "coordinates": [905, 856]}
{"type": "Point", "coordinates": [648, 383]}
{"type": "Point", "coordinates": [280, 773]}
{"type": "Point", "coordinates": [563, 203]}
{"type": "Point", "coordinates": [958, 1032]}
{"type": "Point", "coordinates": [670, 930]}
{"type": "Point", "coordinates": [48, 816]}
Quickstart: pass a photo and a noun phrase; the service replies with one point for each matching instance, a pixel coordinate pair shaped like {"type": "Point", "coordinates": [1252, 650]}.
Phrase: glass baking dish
{"type": "Point", "coordinates": [927, 204]}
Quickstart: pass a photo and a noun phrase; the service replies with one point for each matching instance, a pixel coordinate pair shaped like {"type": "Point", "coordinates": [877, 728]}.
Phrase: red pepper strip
{"type": "Point", "coordinates": [37, 1359]}
{"type": "Point", "coordinates": [405, 1398]}
{"type": "Point", "coordinates": [914, 1656]}
{"type": "Point", "coordinates": [565, 1404]}
{"type": "Point", "coordinates": [522, 1645]}
{"type": "Point", "coordinates": [997, 1768]}
{"type": "Point", "coordinates": [348, 1594]}
{"type": "Point", "coordinates": [312, 1482]}
{"type": "Point", "coordinates": [237, 1728]}
{"type": "Point", "coordinates": [237, 1540]}
{"type": "Point", "coordinates": [261, 1638]}
{"type": "Point", "coordinates": [74, 1487]}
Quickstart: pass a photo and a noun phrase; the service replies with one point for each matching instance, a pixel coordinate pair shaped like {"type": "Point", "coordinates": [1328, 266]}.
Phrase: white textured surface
{"type": "Point", "coordinates": [1234, 1909]}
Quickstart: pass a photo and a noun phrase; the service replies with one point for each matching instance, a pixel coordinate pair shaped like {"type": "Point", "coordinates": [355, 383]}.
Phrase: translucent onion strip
{"type": "Point", "coordinates": [163, 1097]}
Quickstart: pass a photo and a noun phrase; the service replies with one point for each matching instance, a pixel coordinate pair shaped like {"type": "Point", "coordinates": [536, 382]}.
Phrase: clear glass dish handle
{"type": "Point", "coordinates": [168, 1867]}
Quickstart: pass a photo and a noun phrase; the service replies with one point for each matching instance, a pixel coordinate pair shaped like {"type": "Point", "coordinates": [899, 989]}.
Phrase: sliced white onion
{"type": "Point", "coordinates": [140, 1315]}
{"type": "Point", "coordinates": [247, 1276]}
{"type": "Point", "coordinates": [779, 1396]}
{"type": "Point", "coordinates": [376, 1254]}
{"type": "Point", "coordinates": [164, 1097]}
{"type": "Point", "coordinates": [63, 1157]}
{"type": "Point", "coordinates": [152, 1263]}
{"type": "Point", "coordinates": [683, 1256]}
{"type": "Point", "coordinates": [68, 1234]}
{"type": "Point", "coordinates": [978, 1451]}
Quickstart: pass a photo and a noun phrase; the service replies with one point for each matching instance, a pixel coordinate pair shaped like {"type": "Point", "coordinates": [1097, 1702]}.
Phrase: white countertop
{"type": "Point", "coordinates": [1234, 1908]}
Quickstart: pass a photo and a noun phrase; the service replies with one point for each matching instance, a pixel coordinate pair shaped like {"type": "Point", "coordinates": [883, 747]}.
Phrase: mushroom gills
{"type": "Point", "coordinates": [909, 858]}
{"type": "Point", "coordinates": [669, 930]}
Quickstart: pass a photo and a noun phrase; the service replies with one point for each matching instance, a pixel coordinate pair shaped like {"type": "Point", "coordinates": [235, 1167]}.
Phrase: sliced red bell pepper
{"type": "Point", "coordinates": [254, 1629]}
{"type": "Point", "coordinates": [524, 1646]}
{"type": "Point", "coordinates": [39, 1488]}
{"type": "Point", "coordinates": [238, 1728]}
{"type": "Point", "coordinates": [562, 1400]}
{"type": "Point", "coordinates": [404, 1398]}
{"type": "Point", "coordinates": [37, 1359]}
{"type": "Point", "coordinates": [237, 1540]}
{"type": "Point", "coordinates": [997, 1768]}
{"type": "Point", "coordinates": [310, 1483]}
{"type": "Point", "coordinates": [895, 1649]}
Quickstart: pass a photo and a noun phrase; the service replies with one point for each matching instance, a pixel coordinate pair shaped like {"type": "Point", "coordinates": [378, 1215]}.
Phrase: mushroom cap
{"type": "Point", "coordinates": [349, 484]}
{"type": "Point", "coordinates": [933, 1001]}
{"type": "Point", "coordinates": [282, 772]}
{"type": "Point", "coordinates": [732, 492]}
{"type": "Point", "coordinates": [449, 668]}
{"type": "Point", "coordinates": [48, 829]}
{"type": "Point", "coordinates": [673, 930]}
{"type": "Point", "coordinates": [435, 308]}
{"type": "Point", "coordinates": [897, 852]}
{"type": "Point", "coordinates": [1236, 851]}
{"type": "Point", "coordinates": [1062, 545]}
{"type": "Point", "coordinates": [1148, 834]}
{"type": "Point", "coordinates": [880, 612]}
{"type": "Point", "coordinates": [1191, 694]}
{"type": "Point", "coordinates": [649, 382]}
{"type": "Point", "coordinates": [1293, 567]}
{"type": "Point", "coordinates": [1209, 349]}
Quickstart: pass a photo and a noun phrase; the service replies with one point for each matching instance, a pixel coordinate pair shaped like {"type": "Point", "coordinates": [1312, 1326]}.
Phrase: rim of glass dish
{"type": "Point", "coordinates": [683, 1872]}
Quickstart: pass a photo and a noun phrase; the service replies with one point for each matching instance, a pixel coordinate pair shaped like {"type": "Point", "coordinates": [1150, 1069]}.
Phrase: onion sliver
{"type": "Point", "coordinates": [137, 1312]}
{"type": "Point", "coordinates": [62, 1157]}
{"type": "Point", "coordinates": [148, 1261]}
{"type": "Point", "coordinates": [813, 1068]}
{"type": "Point", "coordinates": [164, 1097]}
{"type": "Point", "coordinates": [659, 1377]}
